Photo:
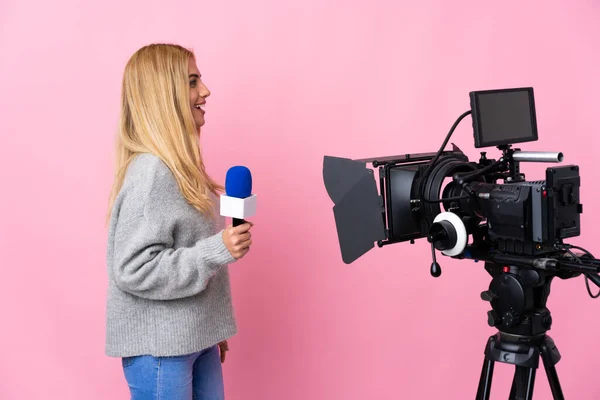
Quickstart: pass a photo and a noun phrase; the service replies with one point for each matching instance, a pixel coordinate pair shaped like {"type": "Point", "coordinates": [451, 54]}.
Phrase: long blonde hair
{"type": "Point", "coordinates": [156, 118]}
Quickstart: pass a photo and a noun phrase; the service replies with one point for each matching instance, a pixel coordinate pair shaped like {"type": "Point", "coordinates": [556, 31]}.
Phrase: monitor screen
{"type": "Point", "coordinates": [503, 116]}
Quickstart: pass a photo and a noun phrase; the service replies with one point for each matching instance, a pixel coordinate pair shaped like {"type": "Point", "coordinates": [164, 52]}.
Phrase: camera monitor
{"type": "Point", "coordinates": [502, 117]}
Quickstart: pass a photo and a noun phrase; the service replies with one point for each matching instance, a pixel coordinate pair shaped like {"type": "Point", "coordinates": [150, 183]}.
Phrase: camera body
{"type": "Point", "coordinates": [499, 208]}
{"type": "Point", "coordinates": [446, 198]}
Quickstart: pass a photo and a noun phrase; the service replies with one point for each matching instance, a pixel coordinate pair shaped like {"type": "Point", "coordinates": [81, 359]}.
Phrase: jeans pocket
{"type": "Point", "coordinates": [128, 361]}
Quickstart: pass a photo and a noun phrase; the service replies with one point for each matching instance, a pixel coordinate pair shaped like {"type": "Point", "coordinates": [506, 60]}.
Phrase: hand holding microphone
{"type": "Point", "coordinates": [238, 203]}
{"type": "Point", "coordinates": [238, 239]}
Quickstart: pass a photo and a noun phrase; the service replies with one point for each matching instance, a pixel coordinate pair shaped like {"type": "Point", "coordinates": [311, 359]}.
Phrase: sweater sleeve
{"type": "Point", "coordinates": [145, 262]}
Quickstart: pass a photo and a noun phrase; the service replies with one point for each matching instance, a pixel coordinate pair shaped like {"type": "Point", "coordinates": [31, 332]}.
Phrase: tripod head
{"type": "Point", "coordinates": [520, 285]}
{"type": "Point", "coordinates": [518, 299]}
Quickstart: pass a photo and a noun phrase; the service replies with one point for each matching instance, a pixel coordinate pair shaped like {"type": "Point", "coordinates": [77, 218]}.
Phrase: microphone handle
{"type": "Point", "coordinates": [238, 221]}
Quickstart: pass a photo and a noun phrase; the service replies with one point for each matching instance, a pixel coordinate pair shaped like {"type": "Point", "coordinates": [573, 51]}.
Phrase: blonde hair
{"type": "Point", "coordinates": [156, 117]}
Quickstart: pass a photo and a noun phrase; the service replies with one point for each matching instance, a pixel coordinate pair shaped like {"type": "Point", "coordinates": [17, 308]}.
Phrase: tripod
{"type": "Point", "coordinates": [518, 298]}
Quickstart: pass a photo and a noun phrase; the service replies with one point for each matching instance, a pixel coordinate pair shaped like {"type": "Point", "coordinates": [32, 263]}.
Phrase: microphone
{"type": "Point", "coordinates": [238, 202]}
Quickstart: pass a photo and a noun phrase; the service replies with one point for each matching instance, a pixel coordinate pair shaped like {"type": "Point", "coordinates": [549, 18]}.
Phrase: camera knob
{"type": "Point", "coordinates": [488, 295]}
{"type": "Point", "coordinates": [493, 318]}
{"type": "Point", "coordinates": [546, 320]}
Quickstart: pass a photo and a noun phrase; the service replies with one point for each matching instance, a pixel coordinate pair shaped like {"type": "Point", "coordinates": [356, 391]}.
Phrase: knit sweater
{"type": "Point", "coordinates": [168, 280]}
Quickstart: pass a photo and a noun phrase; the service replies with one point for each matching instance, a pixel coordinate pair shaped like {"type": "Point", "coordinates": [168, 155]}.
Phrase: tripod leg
{"type": "Point", "coordinates": [485, 381]}
{"type": "Point", "coordinates": [523, 381]}
{"type": "Point", "coordinates": [551, 356]}
{"type": "Point", "coordinates": [513, 387]}
{"type": "Point", "coordinates": [557, 393]}
{"type": "Point", "coordinates": [487, 371]}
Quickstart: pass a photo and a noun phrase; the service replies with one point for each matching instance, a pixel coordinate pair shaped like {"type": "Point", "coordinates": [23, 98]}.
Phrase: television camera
{"type": "Point", "coordinates": [491, 214]}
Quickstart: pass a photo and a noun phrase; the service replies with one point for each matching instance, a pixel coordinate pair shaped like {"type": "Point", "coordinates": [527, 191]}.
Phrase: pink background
{"type": "Point", "coordinates": [291, 82]}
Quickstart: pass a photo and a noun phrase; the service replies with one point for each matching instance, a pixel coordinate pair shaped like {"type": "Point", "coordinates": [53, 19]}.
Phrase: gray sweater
{"type": "Point", "coordinates": [168, 281]}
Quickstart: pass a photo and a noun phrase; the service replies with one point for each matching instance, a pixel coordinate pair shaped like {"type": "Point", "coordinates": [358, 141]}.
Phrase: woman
{"type": "Point", "coordinates": [169, 303]}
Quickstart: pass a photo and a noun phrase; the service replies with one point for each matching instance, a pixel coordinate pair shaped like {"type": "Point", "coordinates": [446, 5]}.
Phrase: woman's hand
{"type": "Point", "coordinates": [238, 239]}
{"type": "Point", "coordinates": [224, 348]}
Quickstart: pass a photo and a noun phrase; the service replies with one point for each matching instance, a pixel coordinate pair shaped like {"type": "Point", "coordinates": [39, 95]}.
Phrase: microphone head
{"type": "Point", "coordinates": [238, 182]}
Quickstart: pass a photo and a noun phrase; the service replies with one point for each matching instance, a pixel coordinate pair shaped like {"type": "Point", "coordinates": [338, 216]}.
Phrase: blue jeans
{"type": "Point", "coordinates": [196, 376]}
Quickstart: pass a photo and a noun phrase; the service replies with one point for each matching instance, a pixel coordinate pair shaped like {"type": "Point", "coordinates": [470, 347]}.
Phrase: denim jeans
{"type": "Point", "coordinates": [196, 376]}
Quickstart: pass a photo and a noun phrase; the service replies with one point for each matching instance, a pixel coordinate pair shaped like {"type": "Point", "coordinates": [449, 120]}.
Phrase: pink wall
{"type": "Point", "coordinates": [291, 82]}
